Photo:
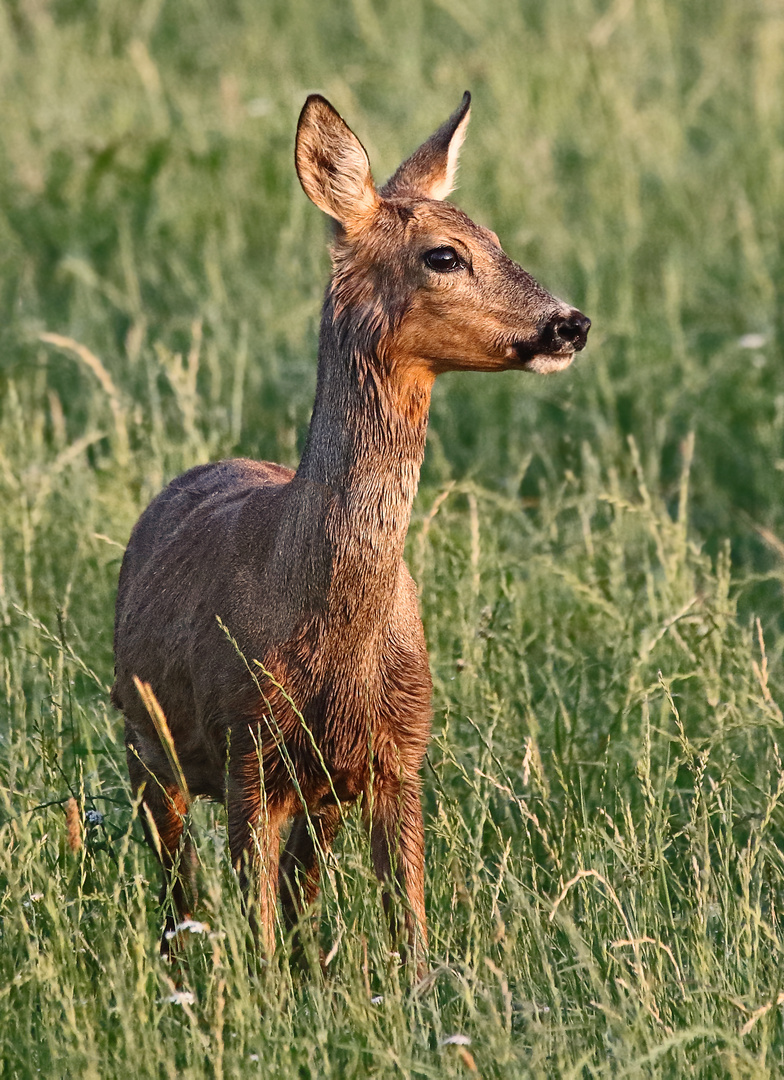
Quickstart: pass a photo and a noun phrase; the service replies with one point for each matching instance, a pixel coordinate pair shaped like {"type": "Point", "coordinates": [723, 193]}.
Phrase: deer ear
{"type": "Point", "coordinates": [430, 172]}
{"type": "Point", "coordinates": [332, 165]}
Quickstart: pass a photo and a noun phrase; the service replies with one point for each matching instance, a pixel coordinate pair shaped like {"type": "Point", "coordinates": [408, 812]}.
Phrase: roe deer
{"type": "Point", "coordinates": [305, 569]}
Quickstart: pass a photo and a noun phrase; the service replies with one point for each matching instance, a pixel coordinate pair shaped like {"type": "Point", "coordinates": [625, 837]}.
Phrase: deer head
{"type": "Point", "coordinates": [432, 290]}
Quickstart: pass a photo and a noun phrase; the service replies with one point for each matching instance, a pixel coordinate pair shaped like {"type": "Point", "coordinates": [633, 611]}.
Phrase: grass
{"type": "Point", "coordinates": [600, 555]}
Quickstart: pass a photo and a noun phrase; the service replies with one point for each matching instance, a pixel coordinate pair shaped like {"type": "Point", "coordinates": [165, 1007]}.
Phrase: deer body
{"type": "Point", "coordinates": [331, 702]}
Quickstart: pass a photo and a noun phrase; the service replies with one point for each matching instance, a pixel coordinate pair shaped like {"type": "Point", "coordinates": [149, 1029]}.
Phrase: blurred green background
{"type": "Point", "coordinates": [593, 550]}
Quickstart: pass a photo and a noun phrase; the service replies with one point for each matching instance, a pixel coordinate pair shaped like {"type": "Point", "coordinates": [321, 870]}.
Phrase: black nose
{"type": "Point", "coordinates": [571, 329]}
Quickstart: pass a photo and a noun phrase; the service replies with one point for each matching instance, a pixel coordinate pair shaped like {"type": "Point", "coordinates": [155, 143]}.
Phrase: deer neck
{"type": "Point", "coordinates": [365, 448]}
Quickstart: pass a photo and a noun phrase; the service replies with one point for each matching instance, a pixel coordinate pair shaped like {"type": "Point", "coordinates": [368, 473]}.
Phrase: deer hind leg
{"type": "Point", "coordinates": [254, 840]}
{"type": "Point", "coordinates": [397, 844]}
{"type": "Point", "coordinates": [299, 865]}
{"type": "Point", "coordinates": [163, 814]}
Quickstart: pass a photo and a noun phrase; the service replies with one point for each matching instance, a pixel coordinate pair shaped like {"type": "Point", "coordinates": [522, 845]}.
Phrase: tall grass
{"type": "Point", "coordinates": [599, 555]}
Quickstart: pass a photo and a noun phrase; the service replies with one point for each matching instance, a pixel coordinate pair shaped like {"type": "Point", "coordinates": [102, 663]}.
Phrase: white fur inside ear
{"type": "Point", "coordinates": [441, 188]}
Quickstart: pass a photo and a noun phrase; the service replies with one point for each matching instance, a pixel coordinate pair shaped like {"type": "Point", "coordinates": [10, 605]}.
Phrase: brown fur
{"type": "Point", "coordinates": [306, 569]}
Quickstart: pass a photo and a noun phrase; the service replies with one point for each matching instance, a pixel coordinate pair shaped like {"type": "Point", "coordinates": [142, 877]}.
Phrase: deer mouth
{"type": "Point", "coordinates": [530, 356]}
{"type": "Point", "coordinates": [545, 363]}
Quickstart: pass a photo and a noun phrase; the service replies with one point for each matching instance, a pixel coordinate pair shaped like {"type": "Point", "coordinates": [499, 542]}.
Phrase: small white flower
{"type": "Point", "coordinates": [377, 999]}
{"type": "Point", "coordinates": [188, 924]}
{"type": "Point", "coordinates": [254, 1057]}
{"type": "Point", "coordinates": [456, 1040]}
{"type": "Point", "coordinates": [752, 341]}
{"type": "Point", "coordinates": [531, 1008]}
{"type": "Point", "coordinates": [179, 997]}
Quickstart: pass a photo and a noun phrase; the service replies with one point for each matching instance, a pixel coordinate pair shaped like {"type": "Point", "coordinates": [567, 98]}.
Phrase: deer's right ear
{"type": "Point", "coordinates": [332, 165]}
{"type": "Point", "coordinates": [431, 171]}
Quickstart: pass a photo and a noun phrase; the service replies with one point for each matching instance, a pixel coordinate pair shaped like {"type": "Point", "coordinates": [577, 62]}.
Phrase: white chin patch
{"type": "Point", "coordinates": [544, 364]}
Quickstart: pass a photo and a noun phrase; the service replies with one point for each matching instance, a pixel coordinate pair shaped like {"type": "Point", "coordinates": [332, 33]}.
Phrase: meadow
{"type": "Point", "coordinates": [600, 554]}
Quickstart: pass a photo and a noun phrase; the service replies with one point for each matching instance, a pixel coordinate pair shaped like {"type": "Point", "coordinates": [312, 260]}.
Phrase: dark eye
{"type": "Point", "coordinates": [443, 259]}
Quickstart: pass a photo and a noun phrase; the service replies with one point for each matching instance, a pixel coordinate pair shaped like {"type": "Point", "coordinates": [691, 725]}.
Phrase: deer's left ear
{"type": "Point", "coordinates": [332, 165]}
{"type": "Point", "coordinates": [430, 172]}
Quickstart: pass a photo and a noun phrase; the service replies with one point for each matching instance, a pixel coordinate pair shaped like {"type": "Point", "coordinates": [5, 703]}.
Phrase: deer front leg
{"type": "Point", "coordinates": [300, 867]}
{"type": "Point", "coordinates": [254, 841]}
{"type": "Point", "coordinates": [397, 844]}
{"type": "Point", "coordinates": [299, 864]}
